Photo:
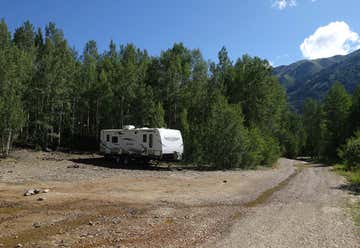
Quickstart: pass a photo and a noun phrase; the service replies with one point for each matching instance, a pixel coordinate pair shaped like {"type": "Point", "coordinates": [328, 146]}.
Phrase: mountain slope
{"type": "Point", "coordinates": [313, 78]}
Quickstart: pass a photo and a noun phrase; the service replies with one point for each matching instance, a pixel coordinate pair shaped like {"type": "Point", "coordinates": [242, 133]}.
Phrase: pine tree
{"type": "Point", "coordinates": [4, 35]}
{"type": "Point", "coordinates": [354, 117]}
{"type": "Point", "coordinates": [337, 105]}
{"type": "Point", "coordinates": [24, 37]}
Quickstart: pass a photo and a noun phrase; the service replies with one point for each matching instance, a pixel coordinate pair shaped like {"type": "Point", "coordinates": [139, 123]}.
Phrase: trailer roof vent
{"type": "Point", "coordinates": [128, 127]}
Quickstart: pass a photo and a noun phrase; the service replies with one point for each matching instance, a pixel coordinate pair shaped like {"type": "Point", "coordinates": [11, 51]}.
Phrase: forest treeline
{"type": "Point", "coordinates": [332, 127]}
{"type": "Point", "coordinates": [231, 114]}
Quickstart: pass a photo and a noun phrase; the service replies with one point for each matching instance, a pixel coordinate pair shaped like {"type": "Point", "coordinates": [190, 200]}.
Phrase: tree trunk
{"type": "Point", "coordinates": [88, 122]}
{"type": "Point", "coordinates": [60, 126]}
{"type": "Point", "coordinates": [8, 143]}
{"type": "Point", "coordinates": [2, 151]}
{"type": "Point", "coordinates": [122, 112]}
{"type": "Point", "coordinates": [97, 128]}
{"type": "Point", "coordinates": [73, 121]}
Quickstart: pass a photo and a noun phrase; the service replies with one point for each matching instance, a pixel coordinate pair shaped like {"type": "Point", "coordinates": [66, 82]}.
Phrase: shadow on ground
{"type": "Point", "coordinates": [352, 188]}
{"type": "Point", "coordinates": [313, 163]}
{"type": "Point", "coordinates": [108, 163]}
{"type": "Point", "coordinates": [317, 165]}
{"type": "Point", "coordinates": [139, 165]}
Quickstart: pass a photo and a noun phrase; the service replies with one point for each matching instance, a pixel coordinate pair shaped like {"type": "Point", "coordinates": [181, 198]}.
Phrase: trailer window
{"type": "Point", "coordinates": [150, 140]}
{"type": "Point", "coordinates": [107, 138]}
{"type": "Point", "coordinates": [144, 138]}
{"type": "Point", "coordinates": [114, 139]}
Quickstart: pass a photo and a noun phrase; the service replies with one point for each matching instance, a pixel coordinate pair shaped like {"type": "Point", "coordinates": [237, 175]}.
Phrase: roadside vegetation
{"type": "Point", "coordinates": [353, 176]}
{"type": "Point", "coordinates": [350, 155]}
{"type": "Point", "coordinates": [332, 130]}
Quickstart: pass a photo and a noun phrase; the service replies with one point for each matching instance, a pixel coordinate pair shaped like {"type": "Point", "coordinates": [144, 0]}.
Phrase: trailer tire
{"type": "Point", "coordinates": [125, 160]}
{"type": "Point", "coordinates": [117, 159]}
{"type": "Point", "coordinates": [145, 161]}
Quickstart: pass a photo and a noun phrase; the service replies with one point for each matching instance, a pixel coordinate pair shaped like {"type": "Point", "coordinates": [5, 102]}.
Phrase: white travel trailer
{"type": "Point", "coordinates": [141, 143]}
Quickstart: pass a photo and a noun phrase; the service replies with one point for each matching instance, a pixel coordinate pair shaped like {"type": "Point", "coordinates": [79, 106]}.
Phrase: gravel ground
{"type": "Point", "coordinates": [93, 203]}
{"type": "Point", "coordinates": [308, 212]}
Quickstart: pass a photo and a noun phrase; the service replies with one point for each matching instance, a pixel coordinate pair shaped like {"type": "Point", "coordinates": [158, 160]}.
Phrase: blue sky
{"type": "Point", "coordinates": [271, 29]}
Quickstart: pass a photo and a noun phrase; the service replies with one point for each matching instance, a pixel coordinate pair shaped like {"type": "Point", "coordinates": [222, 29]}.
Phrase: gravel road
{"type": "Point", "coordinates": [309, 212]}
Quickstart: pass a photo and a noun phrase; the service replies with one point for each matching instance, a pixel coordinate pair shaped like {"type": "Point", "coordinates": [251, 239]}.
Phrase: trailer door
{"type": "Point", "coordinates": [150, 140]}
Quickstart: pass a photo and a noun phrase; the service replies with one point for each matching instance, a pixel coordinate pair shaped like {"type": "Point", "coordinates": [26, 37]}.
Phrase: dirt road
{"type": "Point", "coordinates": [308, 212]}
{"type": "Point", "coordinates": [92, 203]}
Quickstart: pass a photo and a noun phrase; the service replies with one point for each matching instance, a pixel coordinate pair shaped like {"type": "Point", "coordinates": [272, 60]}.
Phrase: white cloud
{"type": "Point", "coordinates": [336, 38]}
{"type": "Point", "coordinates": [282, 4]}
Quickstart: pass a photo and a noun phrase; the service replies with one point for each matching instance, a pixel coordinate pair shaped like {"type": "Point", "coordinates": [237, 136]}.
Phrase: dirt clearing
{"type": "Point", "coordinates": [92, 203]}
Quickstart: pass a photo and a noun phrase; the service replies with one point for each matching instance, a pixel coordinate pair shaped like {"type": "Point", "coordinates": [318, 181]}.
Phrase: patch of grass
{"type": "Point", "coordinates": [355, 212]}
{"type": "Point", "coordinates": [352, 175]}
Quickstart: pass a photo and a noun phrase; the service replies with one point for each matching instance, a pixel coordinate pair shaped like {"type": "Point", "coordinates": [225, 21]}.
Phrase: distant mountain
{"type": "Point", "coordinates": [313, 78]}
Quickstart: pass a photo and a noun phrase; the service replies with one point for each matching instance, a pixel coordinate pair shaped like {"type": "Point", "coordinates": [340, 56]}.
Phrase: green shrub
{"type": "Point", "coordinates": [352, 175]}
{"type": "Point", "coordinates": [350, 152]}
{"type": "Point", "coordinates": [262, 149]}
{"type": "Point", "coordinates": [254, 155]}
{"type": "Point", "coordinates": [224, 142]}
{"type": "Point", "coordinates": [225, 136]}
{"type": "Point", "coordinates": [272, 150]}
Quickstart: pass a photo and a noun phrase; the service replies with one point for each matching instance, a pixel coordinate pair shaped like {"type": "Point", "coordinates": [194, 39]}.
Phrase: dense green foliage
{"type": "Point", "coordinates": [332, 127]}
{"type": "Point", "coordinates": [230, 114]}
{"type": "Point", "coordinates": [15, 71]}
{"type": "Point", "coordinates": [336, 115]}
{"type": "Point", "coordinates": [313, 78]}
{"type": "Point", "coordinates": [313, 127]}
{"type": "Point", "coordinates": [295, 137]}
{"type": "Point", "coordinates": [350, 151]}
{"type": "Point", "coordinates": [225, 136]}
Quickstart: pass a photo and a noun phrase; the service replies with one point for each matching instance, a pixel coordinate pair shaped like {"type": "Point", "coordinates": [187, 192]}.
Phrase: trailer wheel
{"type": "Point", "coordinates": [117, 160]}
{"type": "Point", "coordinates": [125, 160]}
{"type": "Point", "coordinates": [145, 161]}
